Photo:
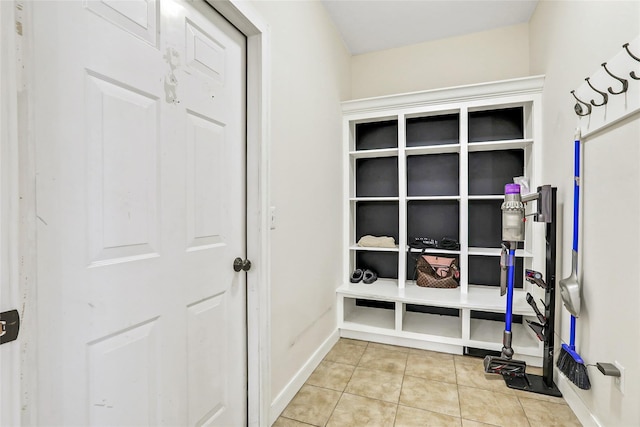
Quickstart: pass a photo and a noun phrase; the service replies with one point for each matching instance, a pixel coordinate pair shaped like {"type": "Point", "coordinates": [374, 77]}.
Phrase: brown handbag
{"type": "Point", "coordinates": [436, 272]}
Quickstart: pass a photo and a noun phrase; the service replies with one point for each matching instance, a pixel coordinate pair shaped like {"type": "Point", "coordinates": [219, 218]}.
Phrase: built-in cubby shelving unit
{"type": "Point", "coordinates": [434, 164]}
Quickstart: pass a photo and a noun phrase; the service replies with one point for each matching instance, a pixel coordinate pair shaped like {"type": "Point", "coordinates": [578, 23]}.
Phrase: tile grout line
{"type": "Point", "coordinates": [345, 386]}
{"type": "Point", "coordinates": [404, 373]}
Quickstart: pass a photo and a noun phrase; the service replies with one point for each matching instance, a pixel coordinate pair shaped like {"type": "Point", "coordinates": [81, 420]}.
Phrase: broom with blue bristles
{"type": "Point", "coordinates": [569, 361]}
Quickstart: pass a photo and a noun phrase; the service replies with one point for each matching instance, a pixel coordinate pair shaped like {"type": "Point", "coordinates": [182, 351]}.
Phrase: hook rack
{"type": "Point", "coordinates": [611, 71]}
{"type": "Point", "coordinates": [605, 97]}
{"type": "Point", "coordinates": [625, 82]}
{"type": "Point", "coordinates": [633, 73]}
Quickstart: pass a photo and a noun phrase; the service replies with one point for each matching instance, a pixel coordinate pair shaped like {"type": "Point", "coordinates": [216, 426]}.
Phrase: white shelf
{"type": "Point", "coordinates": [432, 149]}
{"type": "Point", "coordinates": [520, 253]}
{"type": "Point", "coordinates": [372, 248]}
{"type": "Point", "coordinates": [434, 251]}
{"type": "Point", "coordinates": [434, 325]}
{"type": "Point", "coordinates": [369, 154]}
{"type": "Point", "coordinates": [480, 298]}
{"type": "Point", "coordinates": [488, 197]}
{"type": "Point", "coordinates": [429, 198]}
{"type": "Point", "coordinates": [499, 145]}
{"type": "Point", "coordinates": [374, 199]}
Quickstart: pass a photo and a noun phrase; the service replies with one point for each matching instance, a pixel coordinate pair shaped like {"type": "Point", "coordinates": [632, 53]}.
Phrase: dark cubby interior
{"type": "Point", "coordinates": [485, 224]}
{"type": "Point", "coordinates": [377, 135]}
{"type": "Point", "coordinates": [498, 317]}
{"type": "Point", "coordinates": [433, 175]}
{"type": "Point", "coordinates": [496, 125]}
{"type": "Point", "coordinates": [443, 311]}
{"type": "Point", "coordinates": [433, 130]}
{"type": "Point", "coordinates": [377, 219]}
{"type": "Point", "coordinates": [412, 257]}
{"type": "Point", "coordinates": [485, 270]}
{"type": "Point", "coordinates": [377, 177]}
{"type": "Point", "coordinates": [384, 264]}
{"type": "Point", "coordinates": [490, 171]}
{"type": "Point", "coordinates": [433, 218]}
{"type": "Point", "coordinates": [388, 305]}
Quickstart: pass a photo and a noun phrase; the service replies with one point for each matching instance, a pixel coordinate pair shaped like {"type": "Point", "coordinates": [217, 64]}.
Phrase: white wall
{"type": "Point", "coordinates": [475, 58]}
{"type": "Point", "coordinates": [310, 69]}
{"type": "Point", "coordinates": [569, 41]}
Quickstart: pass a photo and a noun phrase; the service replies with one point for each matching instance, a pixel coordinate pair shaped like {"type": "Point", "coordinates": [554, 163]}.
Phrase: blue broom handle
{"type": "Point", "coordinates": [572, 333]}
{"type": "Point", "coordinates": [576, 193]}
{"type": "Point", "coordinates": [576, 211]}
{"type": "Point", "coordinates": [510, 279]}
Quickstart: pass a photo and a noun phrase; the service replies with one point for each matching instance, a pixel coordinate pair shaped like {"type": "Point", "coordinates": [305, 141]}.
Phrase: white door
{"type": "Point", "coordinates": [139, 116]}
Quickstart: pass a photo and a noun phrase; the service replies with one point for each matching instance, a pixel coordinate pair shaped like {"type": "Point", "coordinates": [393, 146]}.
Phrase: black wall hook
{"type": "Point", "coordinates": [578, 108]}
{"type": "Point", "coordinates": [633, 73]}
{"type": "Point", "coordinates": [625, 82]}
{"type": "Point", "coordinates": [605, 97]}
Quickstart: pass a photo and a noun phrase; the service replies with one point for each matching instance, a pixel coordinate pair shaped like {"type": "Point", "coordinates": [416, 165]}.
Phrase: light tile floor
{"type": "Point", "coordinates": [362, 383]}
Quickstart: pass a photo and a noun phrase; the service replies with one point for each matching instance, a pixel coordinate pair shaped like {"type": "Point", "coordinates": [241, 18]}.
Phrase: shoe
{"type": "Point", "coordinates": [357, 275]}
{"type": "Point", "coordinates": [369, 276]}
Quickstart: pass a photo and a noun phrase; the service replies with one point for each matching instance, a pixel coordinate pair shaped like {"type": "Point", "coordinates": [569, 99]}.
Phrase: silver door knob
{"type": "Point", "coordinates": [240, 264]}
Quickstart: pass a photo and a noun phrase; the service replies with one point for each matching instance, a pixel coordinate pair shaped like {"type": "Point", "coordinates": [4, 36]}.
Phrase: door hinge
{"type": "Point", "coordinates": [9, 326]}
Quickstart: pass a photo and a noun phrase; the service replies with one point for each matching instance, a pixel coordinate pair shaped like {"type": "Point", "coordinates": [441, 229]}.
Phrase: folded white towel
{"type": "Point", "coordinates": [377, 241]}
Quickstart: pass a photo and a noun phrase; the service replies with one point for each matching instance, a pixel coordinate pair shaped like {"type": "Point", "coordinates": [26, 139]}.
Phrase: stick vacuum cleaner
{"type": "Point", "coordinates": [512, 232]}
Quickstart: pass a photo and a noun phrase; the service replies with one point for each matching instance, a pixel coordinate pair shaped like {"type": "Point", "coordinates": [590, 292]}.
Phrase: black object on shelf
{"type": "Point", "coordinates": [536, 383]}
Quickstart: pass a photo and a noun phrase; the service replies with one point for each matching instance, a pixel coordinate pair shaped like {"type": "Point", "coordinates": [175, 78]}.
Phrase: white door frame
{"type": "Point", "coordinates": [17, 224]}
{"type": "Point", "coordinates": [9, 212]}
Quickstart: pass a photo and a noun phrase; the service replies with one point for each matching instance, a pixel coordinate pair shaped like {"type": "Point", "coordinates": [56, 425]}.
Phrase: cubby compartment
{"type": "Point", "coordinates": [485, 224]}
{"type": "Point", "coordinates": [433, 175]}
{"type": "Point", "coordinates": [430, 320]}
{"type": "Point", "coordinates": [376, 135]}
{"type": "Point", "coordinates": [412, 258]}
{"type": "Point", "coordinates": [490, 171]}
{"type": "Point", "coordinates": [385, 264]}
{"type": "Point", "coordinates": [369, 315]}
{"type": "Point", "coordinates": [433, 130]}
{"type": "Point", "coordinates": [496, 125]}
{"type": "Point", "coordinates": [483, 328]}
{"type": "Point", "coordinates": [433, 218]}
{"type": "Point", "coordinates": [377, 177]}
{"type": "Point", "coordinates": [376, 219]}
{"type": "Point", "coordinates": [485, 270]}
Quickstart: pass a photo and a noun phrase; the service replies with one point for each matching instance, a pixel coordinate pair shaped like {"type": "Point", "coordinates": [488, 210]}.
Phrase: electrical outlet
{"type": "Point", "coordinates": [619, 381]}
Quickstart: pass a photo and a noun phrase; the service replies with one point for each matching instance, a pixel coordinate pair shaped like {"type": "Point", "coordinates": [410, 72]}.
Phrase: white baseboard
{"type": "Point", "coordinates": [287, 394]}
{"type": "Point", "coordinates": [575, 403]}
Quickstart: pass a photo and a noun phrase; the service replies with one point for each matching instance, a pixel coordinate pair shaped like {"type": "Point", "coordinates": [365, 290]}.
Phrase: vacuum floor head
{"type": "Point", "coordinates": [502, 366]}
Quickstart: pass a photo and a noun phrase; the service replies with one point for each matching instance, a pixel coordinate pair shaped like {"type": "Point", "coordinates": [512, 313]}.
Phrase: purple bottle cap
{"type": "Point", "coordinates": [512, 189]}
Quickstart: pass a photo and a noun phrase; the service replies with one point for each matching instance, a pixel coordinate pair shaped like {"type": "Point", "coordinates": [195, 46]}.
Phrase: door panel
{"type": "Point", "coordinates": [140, 161]}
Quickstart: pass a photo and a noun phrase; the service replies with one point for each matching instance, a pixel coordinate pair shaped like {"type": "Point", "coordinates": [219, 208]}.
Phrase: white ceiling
{"type": "Point", "coordinates": [370, 25]}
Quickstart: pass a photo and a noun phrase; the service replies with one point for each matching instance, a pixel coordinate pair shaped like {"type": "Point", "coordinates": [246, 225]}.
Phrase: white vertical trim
{"type": "Point", "coordinates": [537, 237]}
{"type": "Point", "coordinates": [10, 386]}
{"type": "Point", "coordinates": [402, 201]}
{"type": "Point", "coordinates": [246, 19]}
{"type": "Point", "coordinates": [464, 201]}
{"type": "Point", "coordinates": [347, 185]}
{"type": "Point", "coordinates": [400, 310]}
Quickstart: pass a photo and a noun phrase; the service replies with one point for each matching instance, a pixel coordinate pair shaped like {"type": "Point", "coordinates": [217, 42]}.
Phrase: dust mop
{"type": "Point", "coordinates": [569, 361]}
